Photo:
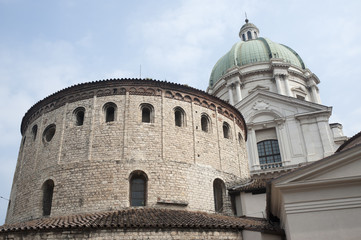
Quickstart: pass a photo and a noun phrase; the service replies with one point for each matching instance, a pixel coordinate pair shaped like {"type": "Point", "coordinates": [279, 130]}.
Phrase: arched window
{"type": "Point", "coordinates": [110, 110]}
{"type": "Point", "coordinates": [218, 188]}
{"type": "Point", "coordinates": [147, 113]}
{"type": "Point", "coordinates": [205, 123]}
{"type": "Point", "coordinates": [243, 37]}
{"type": "Point", "coordinates": [226, 130]}
{"type": "Point", "coordinates": [249, 35]}
{"type": "Point", "coordinates": [138, 188]}
{"type": "Point", "coordinates": [48, 189]}
{"type": "Point", "coordinates": [34, 130]}
{"type": "Point", "coordinates": [79, 114]}
{"type": "Point", "coordinates": [269, 154]}
{"type": "Point", "coordinates": [255, 34]}
{"type": "Point", "coordinates": [179, 117]}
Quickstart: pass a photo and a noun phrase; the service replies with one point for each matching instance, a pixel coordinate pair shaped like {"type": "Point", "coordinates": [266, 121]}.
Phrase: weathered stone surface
{"type": "Point", "coordinates": [90, 164]}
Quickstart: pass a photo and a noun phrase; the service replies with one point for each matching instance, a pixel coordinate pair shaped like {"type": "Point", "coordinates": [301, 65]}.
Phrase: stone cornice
{"type": "Point", "coordinates": [111, 87]}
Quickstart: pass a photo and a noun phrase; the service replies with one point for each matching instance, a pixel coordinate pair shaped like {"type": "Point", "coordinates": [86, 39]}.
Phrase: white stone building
{"type": "Point", "coordinates": [279, 98]}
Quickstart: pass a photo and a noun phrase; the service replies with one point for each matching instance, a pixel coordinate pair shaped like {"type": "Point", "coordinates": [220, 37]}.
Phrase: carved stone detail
{"type": "Point", "coordinates": [260, 105]}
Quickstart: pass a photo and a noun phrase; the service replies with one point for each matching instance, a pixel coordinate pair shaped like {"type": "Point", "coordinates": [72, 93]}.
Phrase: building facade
{"type": "Point", "coordinates": [279, 98]}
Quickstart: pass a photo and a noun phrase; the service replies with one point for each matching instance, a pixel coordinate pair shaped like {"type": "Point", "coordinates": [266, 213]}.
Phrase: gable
{"type": "Point", "coordinates": [350, 169]}
{"type": "Point", "coordinates": [277, 106]}
{"type": "Point", "coordinates": [339, 166]}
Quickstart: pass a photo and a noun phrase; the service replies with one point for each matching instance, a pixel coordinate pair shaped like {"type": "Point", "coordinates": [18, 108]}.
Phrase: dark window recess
{"type": "Point", "coordinates": [34, 131]}
{"type": "Point", "coordinates": [205, 123]}
{"type": "Point", "coordinates": [146, 114]}
{"type": "Point", "coordinates": [48, 189]}
{"type": "Point", "coordinates": [137, 191]}
{"type": "Point", "coordinates": [110, 114]}
{"type": "Point", "coordinates": [49, 133]}
{"type": "Point", "coordinates": [249, 35]}
{"type": "Point", "coordinates": [226, 131]}
{"type": "Point", "coordinates": [80, 117]}
{"type": "Point", "coordinates": [269, 154]}
{"type": "Point", "coordinates": [243, 37]}
{"type": "Point", "coordinates": [178, 118]}
{"type": "Point", "coordinates": [218, 195]}
{"type": "Point", "coordinates": [240, 138]}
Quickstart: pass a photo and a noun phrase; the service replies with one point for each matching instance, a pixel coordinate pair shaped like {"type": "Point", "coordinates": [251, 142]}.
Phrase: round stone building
{"type": "Point", "coordinates": [144, 147]}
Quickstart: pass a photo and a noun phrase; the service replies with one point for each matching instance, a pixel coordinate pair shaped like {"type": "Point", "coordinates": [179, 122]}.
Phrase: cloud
{"type": "Point", "coordinates": [179, 40]}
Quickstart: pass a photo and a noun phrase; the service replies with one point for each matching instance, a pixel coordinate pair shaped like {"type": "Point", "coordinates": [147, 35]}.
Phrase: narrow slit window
{"type": "Point", "coordinates": [48, 190]}
{"type": "Point", "coordinates": [218, 188]}
{"type": "Point", "coordinates": [34, 131]}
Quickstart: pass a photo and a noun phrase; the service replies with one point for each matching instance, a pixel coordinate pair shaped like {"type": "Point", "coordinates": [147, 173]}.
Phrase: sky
{"type": "Point", "coordinates": [46, 46]}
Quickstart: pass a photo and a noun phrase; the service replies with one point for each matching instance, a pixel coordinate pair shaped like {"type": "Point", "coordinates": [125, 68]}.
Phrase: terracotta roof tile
{"type": "Point", "coordinates": [144, 218]}
{"type": "Point", "coordinates": [353, 141]}
{"type": "Point", "coordinates": [257, 183]}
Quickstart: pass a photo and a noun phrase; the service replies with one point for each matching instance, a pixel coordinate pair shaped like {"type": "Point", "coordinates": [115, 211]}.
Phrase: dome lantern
{"type": "Point", "coordinates": [248, 31]}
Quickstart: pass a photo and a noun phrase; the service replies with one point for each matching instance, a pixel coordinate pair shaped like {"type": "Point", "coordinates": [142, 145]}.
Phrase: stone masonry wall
{"type": "Point", "coordinates": [90, 164]}
{"type": "Point", "coordinates": [174, 234]}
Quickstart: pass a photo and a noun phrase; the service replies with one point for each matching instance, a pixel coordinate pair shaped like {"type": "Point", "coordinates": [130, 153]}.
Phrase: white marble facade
{"type": "Point", "coordinates": [279, 99]}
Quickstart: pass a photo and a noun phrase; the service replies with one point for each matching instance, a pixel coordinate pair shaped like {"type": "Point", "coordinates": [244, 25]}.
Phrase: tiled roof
{"type": "Point", "coordinates": [154, 218]}
{"type": "Point", "coordinates": [257, 183]}
{"type": "Point", "coordinates": [353, 141]}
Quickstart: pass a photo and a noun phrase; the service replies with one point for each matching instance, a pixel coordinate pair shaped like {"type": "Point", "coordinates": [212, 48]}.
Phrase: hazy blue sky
{"type": "Point", "coordinates": [49, 45]}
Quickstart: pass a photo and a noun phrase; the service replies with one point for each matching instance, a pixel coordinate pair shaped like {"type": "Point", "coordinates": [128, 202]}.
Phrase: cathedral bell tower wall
{"type": "Point", "coordinates": [87, 141]}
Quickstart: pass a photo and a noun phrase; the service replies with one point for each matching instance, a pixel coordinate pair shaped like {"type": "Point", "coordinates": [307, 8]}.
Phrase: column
{"type": "Point", "coordinates": [278, 84]}
{"type": "Point", "coordinates": [230, 94]}
{"type": "Point", "coordinates": [287, 86]}
{"type": "Point", "coordinates": [252, 149]}
{"type": "Point", "coordinates": [238, 92]}
{"type": "Point", "coordinates": [315, 96]}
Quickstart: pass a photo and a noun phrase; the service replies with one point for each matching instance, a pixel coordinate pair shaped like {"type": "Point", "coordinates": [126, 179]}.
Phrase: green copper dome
{"type": "Point", "coordinates": [252, 51]}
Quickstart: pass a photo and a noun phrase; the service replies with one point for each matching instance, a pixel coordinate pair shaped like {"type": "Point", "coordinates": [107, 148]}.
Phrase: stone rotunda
{"type": "Point", "coordinates": [127, 158]}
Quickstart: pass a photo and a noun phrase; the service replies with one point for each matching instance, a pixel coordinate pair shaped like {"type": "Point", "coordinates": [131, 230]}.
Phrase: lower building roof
{"type": "Point", "coordinates": [144, 218]}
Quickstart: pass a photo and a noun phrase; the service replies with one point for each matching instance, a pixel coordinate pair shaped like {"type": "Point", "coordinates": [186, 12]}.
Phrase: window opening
{"type": "Point", "coordinates": [218, 187]}
{"type": "Point", "coordinates": [110, 114]}
{"type": "Point", "coordinates": [48, 189]}
{"type": "Point", "coordinates": [49, 133]}
{"type": "Point", "coordinates": [269, 154]}
{"type": "Point", "coordinates": [249, 35]}
{"type": "Point", "coordinates": [138, 189]}
{"type": "Point", "coordinates": [240, 138]}
{"type": "Point", "coordinates": [205, 123]}
{"type": "Point", "coordinates": [179, 117]}
{"type": "Point", "coordinates": [243, 37]}
{"type": "Point", "coordinates": [34, 131]}
{"type": "Point", "coordinates": [110, 110]}
{"type": "Point", "coordinates": [147, 113]}
{"type": "Point", "coordinates": [79, 116]}
{"type": "Point", "coordinates": [226, 131]}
